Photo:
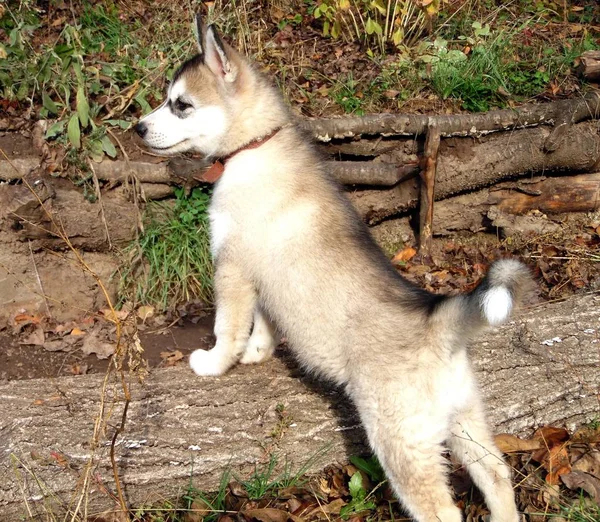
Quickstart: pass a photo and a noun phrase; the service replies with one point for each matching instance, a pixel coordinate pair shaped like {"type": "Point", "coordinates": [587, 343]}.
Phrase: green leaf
{"type": "Point", "coordinates": [378, 4]}
{"type": "Point", "coordinates": [141, 100]}
{"type": "Point", "coordinates": [373, 27]}
{"type": "Point", "coordinates": [74, 132]}
{"type": "Point", "coordinates": [83, 107]}
{"type": "Point", "coordinates": [49, 104]}
{"type": "Point", "coordinates": [55, 129]}
{"type": "Point", "coordinates": [108, 147]}
{"type": "Point", "coordinates": [78, 71]}
{"type": "Point", "coordinates": [398, 36]}
{"type": "Point", "coordinates": [123, 124]}
{"type": "Point", "coordinates": [96, 150]}
{"type": "Point", "coordinates": [355, 487]}
{"type": "Point", "coordinates": [370, 466]}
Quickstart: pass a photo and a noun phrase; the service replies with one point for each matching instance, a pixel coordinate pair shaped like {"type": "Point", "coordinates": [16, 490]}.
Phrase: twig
{"type": "Point", "coordinates": [37, 275]}
{"type": "Point", "coordinates": [99, 196]}
{"type": "Point", "coordinates": [429, 167]}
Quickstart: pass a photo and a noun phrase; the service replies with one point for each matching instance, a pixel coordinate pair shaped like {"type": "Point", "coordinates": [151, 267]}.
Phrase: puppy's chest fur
{"type": "Point", "coordinates": [246, 210]}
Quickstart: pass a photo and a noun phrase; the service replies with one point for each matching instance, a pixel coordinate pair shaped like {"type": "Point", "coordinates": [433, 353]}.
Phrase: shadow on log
{"type": "Point", "coordinates": [542, 369]}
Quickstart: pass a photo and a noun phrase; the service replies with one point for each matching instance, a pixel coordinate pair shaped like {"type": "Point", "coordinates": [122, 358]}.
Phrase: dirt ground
{"type": "Point", "coordinates": [27, 361]}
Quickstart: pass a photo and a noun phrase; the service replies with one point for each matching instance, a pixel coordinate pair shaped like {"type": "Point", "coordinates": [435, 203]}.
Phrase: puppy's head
{"type": "Point", "coordinates": [197, 112]}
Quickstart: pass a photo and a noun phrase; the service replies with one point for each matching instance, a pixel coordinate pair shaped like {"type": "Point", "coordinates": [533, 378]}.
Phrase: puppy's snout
{"type": "Point", "coordinates": [141, 129]}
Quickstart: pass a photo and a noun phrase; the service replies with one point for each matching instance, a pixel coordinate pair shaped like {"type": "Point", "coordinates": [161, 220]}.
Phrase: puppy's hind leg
{"type": "Point", "coordinates": [409, 447]}
{"type": "Point", "coordinates": [263, 341]}
{"type": "Point", "coordinates": [472, 444]}
{"type": "Point", "coordinates": [235, 300]}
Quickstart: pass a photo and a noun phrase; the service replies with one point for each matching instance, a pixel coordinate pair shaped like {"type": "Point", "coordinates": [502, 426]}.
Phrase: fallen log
{"type": "Point", "coordinates": [556, 195]}
{"type": "Point", "coordinates": [589, 66]}
{"type": "Point", "coordinates": [541, 369]}
{"type": "Point", "coordinates": [467, 164]}
{"type": "Point", "coordinates": [580, 109]}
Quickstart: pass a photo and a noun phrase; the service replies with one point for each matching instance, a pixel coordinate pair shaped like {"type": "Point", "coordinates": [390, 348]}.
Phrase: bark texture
{"type": "Point", "coordinates": [476, 211]}
{"type": "Point", "coordinates": [467, 164]}
{"type": "Point", "coordinates": [326, 129]}
{"type": "Point", "coordinates": [589, 66]}
{"type": "Point", "coordinates": [540, 369]}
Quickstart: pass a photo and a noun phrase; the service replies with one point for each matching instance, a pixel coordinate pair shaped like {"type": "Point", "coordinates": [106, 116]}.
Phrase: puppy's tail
{"type": "Point", "coordinates": [504, 287]}
{"type": "Point", "coordinates": [492, 302]}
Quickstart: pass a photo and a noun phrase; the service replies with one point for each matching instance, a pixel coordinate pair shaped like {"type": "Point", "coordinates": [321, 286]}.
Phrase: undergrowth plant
{"type": "Point", "coordinates": [85, 80]}
{"type": "Point", "coordinates": [379, 22]}
{"type": "Point", "coordinates": [487, 68]}
{"type": "Point", "coordinates": [170, 263]}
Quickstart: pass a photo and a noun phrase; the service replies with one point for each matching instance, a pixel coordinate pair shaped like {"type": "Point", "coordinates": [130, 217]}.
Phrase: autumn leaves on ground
{"type": "Point", "coordinates": [88, 70]}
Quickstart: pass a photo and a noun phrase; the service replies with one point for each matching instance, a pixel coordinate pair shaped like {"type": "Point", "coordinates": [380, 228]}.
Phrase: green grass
{"type": "Point", "coordinates": [91, 75]}
{"type": "Point", "coordinates": [170, 263]}
{"type": "Point", "coordinates": [582, 509]}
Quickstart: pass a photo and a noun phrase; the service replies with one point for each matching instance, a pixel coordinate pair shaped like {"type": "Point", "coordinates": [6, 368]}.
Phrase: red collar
{"type": "Point", "coordinates": [215, 171]}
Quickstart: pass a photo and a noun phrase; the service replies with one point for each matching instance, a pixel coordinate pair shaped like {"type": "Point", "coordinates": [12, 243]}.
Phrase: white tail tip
{"type": "Point", "coordinates": [497, 305]}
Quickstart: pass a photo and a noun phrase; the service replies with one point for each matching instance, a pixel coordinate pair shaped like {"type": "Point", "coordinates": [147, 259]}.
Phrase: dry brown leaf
{"type": "Point", "coordinates": [79, 369]}
{"type": "Point", "coordinates": [585, 481]}
{"type": "Point", "coordinates": [508, 443]}
{"type": "Point", "coordinates": [557, 464]}
{"type": "Point", "coordinates": [145, 312]}
{"type": "Point", "coordinates": [333, 508]}
{"type": "Point", "coordinates": [198, 510]}
{"type": "Point", "coordinates": [118, 315]}
{"type": "Point", "coordinates": [171, 358]}
{"type": "Point", "coordinates": [588, 463]}
{"type": "Point", "coordinates": [36, 338]}
{"type": "Point", "coordinates": [93, 344]}
{"type": "Point", "coordinates": [406, 254]}
{"type": "Point", "coordinates": [267, 514]}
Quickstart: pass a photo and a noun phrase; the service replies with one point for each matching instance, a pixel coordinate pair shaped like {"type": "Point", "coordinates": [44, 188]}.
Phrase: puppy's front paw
{"type": "Point", "coordinates": [208, 362]}
{"type": "Point", "coordinates": [260, 348]}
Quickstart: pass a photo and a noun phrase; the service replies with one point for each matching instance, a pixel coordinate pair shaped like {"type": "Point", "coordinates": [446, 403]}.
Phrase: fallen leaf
{"type": "Point", "coordinates": [118, 315]}
{"type": "Point", "coordinates": [404, 255]}
{"type": "Point", "coordinates": [57, 345]}
{"type": "Point", "coordinates": [508, 443]}
{"type": "Point", "coordinates": [588, 463]}
{"type": "Point", "coordinates": [92, 344]}
{"type": "Point", "coordinates": [171, 358]}
{"type": "Point", "coordinates": [267, 514]}
{"type": "Point", "coordinates": [79, 369]}
{"type": "Point", "coordinates": [60, 459]}
{"type": "Point", "coordinates": [585, 481]}
{"type": "Point", "coordinates": [36, 338]}
{"type": "Point", "coordinates": [77, 331]}
{"type": "Point", "coordinates": [145, 312]}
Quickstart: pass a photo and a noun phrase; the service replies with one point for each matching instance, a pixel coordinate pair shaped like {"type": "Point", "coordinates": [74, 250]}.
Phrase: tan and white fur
{"type": "Point", "coordinates": [290, 251]}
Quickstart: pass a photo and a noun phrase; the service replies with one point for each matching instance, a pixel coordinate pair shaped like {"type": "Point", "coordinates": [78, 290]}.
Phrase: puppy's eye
{"type": "Point", "coordinates": [182, 106]}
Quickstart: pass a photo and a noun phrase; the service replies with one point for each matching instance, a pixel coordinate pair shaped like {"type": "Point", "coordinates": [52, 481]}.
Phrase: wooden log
{"type": "Point", "coordinates": [471, 212]}
{"type": "Point", "coordinates": [589, 66]}
{"type": "Point", "coordinates": [466, 164]}
{"type": "Point", "coordinates": [541, 369]}
{"type": "Point", "coordinates": [327, 129]}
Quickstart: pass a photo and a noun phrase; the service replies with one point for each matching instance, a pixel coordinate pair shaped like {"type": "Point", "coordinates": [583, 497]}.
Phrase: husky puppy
{"type": "Point", "coordinates": [292, 256]}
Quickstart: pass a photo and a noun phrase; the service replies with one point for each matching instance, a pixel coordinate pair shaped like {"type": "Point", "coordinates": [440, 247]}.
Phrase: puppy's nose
{"type": "Point", "coordinates": [141, 129]}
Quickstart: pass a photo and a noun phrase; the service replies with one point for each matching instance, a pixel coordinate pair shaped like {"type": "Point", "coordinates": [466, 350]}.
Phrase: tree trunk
{"type": "Point", "coordinates": [540, 369]}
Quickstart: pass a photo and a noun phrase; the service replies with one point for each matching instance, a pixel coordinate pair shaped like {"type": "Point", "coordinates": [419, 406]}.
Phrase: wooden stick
{"type": "Point", "coordinates": [432, 146]}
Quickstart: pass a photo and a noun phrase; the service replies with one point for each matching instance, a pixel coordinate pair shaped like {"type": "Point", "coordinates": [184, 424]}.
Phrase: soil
{"type": "Point", "coordinates": [20, 361]}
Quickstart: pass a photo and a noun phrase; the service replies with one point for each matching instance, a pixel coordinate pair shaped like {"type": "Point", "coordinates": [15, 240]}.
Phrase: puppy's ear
{"type": "Point", "coordinates": [199, 33]}
{"type": "Point", "coordinates": [216, 56]}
